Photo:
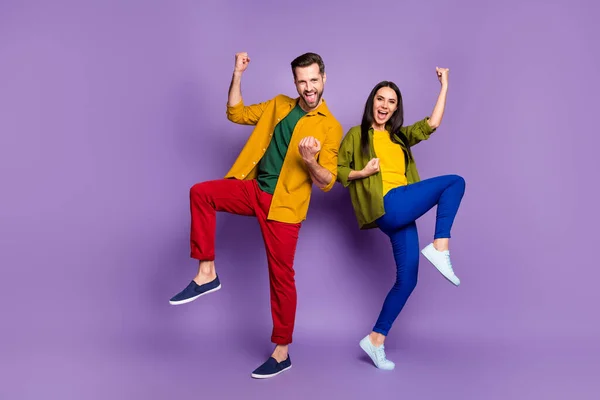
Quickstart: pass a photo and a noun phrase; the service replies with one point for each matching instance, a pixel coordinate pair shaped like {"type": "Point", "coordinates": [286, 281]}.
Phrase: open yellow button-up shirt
{"type": "Point", "coordinates": [293, 190]}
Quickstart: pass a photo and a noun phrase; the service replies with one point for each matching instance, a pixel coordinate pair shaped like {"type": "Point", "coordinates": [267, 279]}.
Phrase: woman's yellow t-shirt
{"type": "Point", "coordinates": [391, 161]}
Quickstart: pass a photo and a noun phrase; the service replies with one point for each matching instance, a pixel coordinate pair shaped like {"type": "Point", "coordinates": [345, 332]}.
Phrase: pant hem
{"type": "Point", "coordinates": [281, 341]}
{"type": "Point", "coordinates": [381, 331]}
{"type": "Point", "coordinates": [202, 257]}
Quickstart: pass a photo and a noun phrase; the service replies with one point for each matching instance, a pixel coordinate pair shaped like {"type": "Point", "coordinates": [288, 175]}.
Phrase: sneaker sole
{"type": "Point", "coordinates": [425, 253]}
{"type": "Point", "coordinates": [256, 376]}
{"type": "Point", "coordinates": [176, 303]}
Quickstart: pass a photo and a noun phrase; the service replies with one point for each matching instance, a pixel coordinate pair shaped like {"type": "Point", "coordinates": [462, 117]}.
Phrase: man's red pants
{"type": "Point", "coordinates": [245, 198]}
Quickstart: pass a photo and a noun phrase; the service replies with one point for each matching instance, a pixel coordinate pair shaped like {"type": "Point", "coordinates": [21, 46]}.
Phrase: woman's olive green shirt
{"type": "Point", "coordinates": [367, 193]}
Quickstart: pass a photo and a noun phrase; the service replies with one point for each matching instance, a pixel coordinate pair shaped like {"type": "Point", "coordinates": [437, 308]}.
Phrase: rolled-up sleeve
{"type": "Point", "coordinates": [246, 115]}
{"type": "Point", "coordinates": [345, 161]}
{"type": "Point", "coordinates": [328, 157]}
{"type": "Point", "coordinates": [418, 131]}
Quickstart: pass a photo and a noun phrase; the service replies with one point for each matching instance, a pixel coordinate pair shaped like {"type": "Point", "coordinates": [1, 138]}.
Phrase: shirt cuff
{"type": "Point", "coordinates": [237, 107]}
{"type": "Point", "coordinates": [426, 127]}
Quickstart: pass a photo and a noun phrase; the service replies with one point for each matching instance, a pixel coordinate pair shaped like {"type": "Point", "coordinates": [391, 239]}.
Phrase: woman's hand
{"type": "Point", "coordinates": [371, 168]}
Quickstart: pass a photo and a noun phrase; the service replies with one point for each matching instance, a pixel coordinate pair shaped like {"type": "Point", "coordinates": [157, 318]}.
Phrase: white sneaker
{"type": "Point", "coordinates": [441, 260]}
{"type": "Point", "coordinates": [377, 354]}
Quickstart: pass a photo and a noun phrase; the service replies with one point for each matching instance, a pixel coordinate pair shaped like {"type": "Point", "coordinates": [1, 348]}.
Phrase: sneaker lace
{"type": "Point", "coordinates": [380, 353]}
{"type": "Point", "coordinates": [447, 255]}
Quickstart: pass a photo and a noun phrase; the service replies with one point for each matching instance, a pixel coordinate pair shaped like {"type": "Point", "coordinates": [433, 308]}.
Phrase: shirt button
{"type": "Point", "coordinates": [264, 149]}
{"type": "Point", "coordinates": [243, 175]}
{"type": "Point", "coordinates": [253, 162]}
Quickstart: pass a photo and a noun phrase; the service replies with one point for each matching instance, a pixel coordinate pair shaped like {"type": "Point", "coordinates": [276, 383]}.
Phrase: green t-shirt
{"type": "Point", "coordinates": [270, 165]}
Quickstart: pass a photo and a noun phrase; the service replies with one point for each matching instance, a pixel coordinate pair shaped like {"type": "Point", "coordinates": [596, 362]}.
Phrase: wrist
{"type": "Point", "coordinates": [309, 161]}
{"type": "Point", "coordinates": [237, 74]}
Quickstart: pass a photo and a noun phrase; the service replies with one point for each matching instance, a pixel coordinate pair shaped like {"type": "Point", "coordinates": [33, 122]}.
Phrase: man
{"type": "Point", "coordinates": [294, 144]}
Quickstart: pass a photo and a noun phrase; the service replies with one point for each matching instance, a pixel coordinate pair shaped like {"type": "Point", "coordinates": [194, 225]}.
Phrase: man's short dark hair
{"type": "Point", "coordinates": [306, 60]}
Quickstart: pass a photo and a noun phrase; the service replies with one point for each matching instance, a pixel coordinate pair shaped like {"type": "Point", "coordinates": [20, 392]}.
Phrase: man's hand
{"type": "Point", "coordinates": [442, 74]}
{"type": "Point", "coordinates": [241, 62]}
{"type": "Point", "coordinates": [235, 88]}
{"type": "Point", "coordinates": [371, 168]}
{"type": "Point", "coordinates": [309, 147]}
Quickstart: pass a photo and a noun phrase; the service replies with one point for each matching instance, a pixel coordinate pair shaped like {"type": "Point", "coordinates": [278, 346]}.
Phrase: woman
{"type": "Point", "coordinates": [376, 164]}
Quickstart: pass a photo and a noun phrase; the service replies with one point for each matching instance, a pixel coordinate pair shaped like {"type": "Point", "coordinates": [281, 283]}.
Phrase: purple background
{"type": "Point", "coordinates": [111, 110]}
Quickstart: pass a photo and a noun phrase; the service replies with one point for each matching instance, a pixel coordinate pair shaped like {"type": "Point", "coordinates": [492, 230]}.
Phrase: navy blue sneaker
{"type": "Point", "coordinates": [193, 291]}
{"type": "Point", "coordinates": [272, 368]}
